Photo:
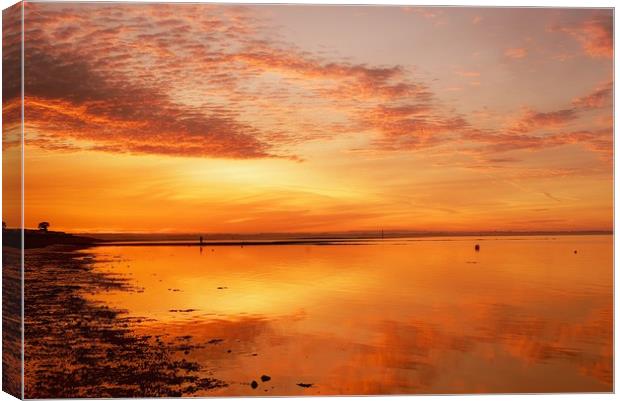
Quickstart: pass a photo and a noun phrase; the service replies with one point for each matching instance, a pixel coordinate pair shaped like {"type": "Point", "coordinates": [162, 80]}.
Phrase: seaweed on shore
{"type": "Point", "coordinates": [11, 321]}
{"type": "Point", "coordinates": [79, 348]}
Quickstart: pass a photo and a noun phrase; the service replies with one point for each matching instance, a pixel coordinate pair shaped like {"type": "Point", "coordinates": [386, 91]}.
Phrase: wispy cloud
{"type": "Point", "coordinates": [184, 82]}
{"type": "Point", "coordinates": [516, 52]}
{"type": "Point", "coordinates": [594, 34]}
{"type": "Point", "coordinates": [599, 97]}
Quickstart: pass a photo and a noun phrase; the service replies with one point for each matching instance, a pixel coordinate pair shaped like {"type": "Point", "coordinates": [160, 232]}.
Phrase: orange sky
{"type": "Point", "coordinates": [220, 118]}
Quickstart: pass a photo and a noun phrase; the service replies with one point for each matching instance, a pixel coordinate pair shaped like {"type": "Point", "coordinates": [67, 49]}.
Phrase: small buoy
{"type": "Point", "coordinates": [575, 251]}
{"type": "Point", "coordinates": [254, 384]}
{"type": "Point", "coordinates": [477, 247]}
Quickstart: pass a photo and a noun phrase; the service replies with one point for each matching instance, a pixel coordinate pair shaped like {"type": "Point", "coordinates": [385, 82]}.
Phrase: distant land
{"type": "Point", "coordinates": [37, 239]}
{"type": "Point", "coordinates": [342, 235]}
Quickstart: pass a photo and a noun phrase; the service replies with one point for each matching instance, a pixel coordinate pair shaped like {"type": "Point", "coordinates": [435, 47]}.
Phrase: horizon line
{"type": "Point", "coordinates": [357, 232]}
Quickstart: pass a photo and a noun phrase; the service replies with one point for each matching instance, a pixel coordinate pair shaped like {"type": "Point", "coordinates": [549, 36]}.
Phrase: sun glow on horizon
{"type": "Point", "coordinates": [249, 119]}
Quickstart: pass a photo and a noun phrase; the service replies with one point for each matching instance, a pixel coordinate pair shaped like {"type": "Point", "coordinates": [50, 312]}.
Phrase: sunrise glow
{"type": "Point", "coordinates": [226, 118]}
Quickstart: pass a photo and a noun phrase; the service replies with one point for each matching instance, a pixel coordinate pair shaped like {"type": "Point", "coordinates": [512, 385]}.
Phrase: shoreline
{"type": "Point", "coordinates": [76, 347]}
{"type": "Point", "coordinates": [34, 239]}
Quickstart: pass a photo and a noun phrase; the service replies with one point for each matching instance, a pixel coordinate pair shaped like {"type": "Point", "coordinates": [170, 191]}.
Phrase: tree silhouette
{"type": "Point", "coordinates": [43, 226]}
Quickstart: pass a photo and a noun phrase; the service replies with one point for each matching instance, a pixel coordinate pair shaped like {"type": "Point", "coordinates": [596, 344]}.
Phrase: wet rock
{"type": "Point", "coordinates": [265, 378]}
{"type": "Point", "coordinates": [254, 384]}
{"type": "Point", "coordinates": [79, 332]}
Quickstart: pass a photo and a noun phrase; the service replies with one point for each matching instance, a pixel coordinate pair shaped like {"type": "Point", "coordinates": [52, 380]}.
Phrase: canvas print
{"type": "Point", "coordinates": [286, 200]}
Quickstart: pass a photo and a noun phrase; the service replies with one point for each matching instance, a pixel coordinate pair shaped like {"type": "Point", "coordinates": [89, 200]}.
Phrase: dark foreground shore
{"type": "Point", "coordinates": [78, 348]}
{"type": "Point", "coordinates": [11, 321]}
{"type": "Point", "coordinates": [12, 238]}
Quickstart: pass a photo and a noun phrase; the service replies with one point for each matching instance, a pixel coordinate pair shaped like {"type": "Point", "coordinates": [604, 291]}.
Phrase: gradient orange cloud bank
{"type": "Point", "coordinates": [226, 118]}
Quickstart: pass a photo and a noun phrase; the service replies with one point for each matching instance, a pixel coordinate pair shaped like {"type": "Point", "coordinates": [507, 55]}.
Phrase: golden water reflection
{"type": "Point", "coordinates": [525, 314]}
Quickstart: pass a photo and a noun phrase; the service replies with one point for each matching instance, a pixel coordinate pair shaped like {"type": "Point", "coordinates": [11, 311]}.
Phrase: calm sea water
{"type": "Point", "coordinates": [525, 314]}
